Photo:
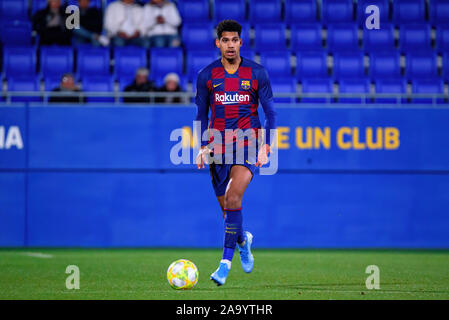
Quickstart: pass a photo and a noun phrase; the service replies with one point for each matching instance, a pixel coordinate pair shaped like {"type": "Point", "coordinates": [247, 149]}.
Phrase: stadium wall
{"type": "Point", "coordinates": [348, 177]}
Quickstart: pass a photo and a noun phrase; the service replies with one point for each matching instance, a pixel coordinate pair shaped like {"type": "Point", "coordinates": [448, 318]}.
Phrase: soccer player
{"type": "Point", "coordinates": [231, 87]}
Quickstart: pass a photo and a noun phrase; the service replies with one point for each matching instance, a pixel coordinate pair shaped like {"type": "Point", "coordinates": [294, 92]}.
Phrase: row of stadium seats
{"type": "Point", "coordinates": [308, 88]}
{"type": "Point", "coordinates": [55, 61]}
{"type": "Point", "coordinates": [263, 11]}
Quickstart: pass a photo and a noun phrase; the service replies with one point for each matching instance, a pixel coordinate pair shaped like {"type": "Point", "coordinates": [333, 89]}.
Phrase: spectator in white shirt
{"type": "Point", "coordinates": [160, 24]}
{"type": "Point", "coordinates": [123, 23]}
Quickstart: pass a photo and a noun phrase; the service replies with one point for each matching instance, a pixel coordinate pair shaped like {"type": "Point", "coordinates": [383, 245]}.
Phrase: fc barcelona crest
{"type": "Point", "coordinates": [246, 84]}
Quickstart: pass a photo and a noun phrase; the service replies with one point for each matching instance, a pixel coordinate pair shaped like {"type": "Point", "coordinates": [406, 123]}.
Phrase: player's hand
{"type": "Point", "coordinates": [262, 157]}
{"type": "Point", "coordinates": [202, 156]}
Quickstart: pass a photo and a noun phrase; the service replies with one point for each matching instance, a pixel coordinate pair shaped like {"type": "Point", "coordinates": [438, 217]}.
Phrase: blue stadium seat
{"type": "Point", "coordinates": [37, 5]}
{"type": "Point", "coordinates": [442, 38]}
{"type": "Point", "coordinates": [197, 61]}
{"type": "Point", "coordinates": [248, 54]}
{"type": "Point", "coordinates": [379, 39]}
{"type": "Point", "coordinates": [300, 11]}
{"type": "Point", "coordinates": [198, 36]}
{"type": "Point", "coordinates": [123, 82]}
{"type": "Point", "coordinates": [391, 86]}
{"type": "Point", "coordinates": [19, 61]}
{"type": "Point", "coordinates": [353, 86]}
{"type": "Point", "coordinates": [128, 60]}
{"type": "Point", "coordinates": [342, 37]}
{"type": "Point", "coordinates": [93, 61]}
{"type": "Point", "coordinates": [24, 83]}
{"type": "Point", "coordinates": [283, 85]}
{"type": "Point", "coordinates": [246, 36]}
{"type": "Point", "coordinates": [317, 86]}
{"type": "Point", "coordinates": [51, 83]}
{"type": "Point", "coordinates": [446, 66]}
{"type": "Point", "coordinates": [94, 83]}
{"type": "Point", "coordinates": [264, 11]}
{"type": "Point", "coordinates": [15, 33]}
{"type": "Point", "coordinates": [306, 37]}
{"type": "Point", "coordinates": [421, 65]}
{"type": "Point", "coordinates": [414, 37]}
{"type": "Point", "coordinates": [194, 11]}
{"type": "Point", "coordinates": [277, 64]}
{"type": "Point", "coordinates": [408, 11]}
{"type": "Point", "coordinates": [93, 3]}
{"type": "Point", "coordinates": [384, 11]}
{"type": "Point", "coordinates": [311, 65]}
{"type": "Point", "coordinates": [385, 65]}
{"type": "Point", "coordinates": [230, 9]}
{"type": "Point", "coordinates": [270, 37]}
{"type": "Point", "coordinates": [349, 65]}
{"type": "Point", "coordinates": [13, 10]}
{"type": "Point", "coordinates": [164, 61]}
{"type": "Point", "coordinates": [337, 11]}
{"type": "Point", "coordinates": [431, 86]}
{"type": "Point", "coordinates": [439, 12]}
{"type": "Point", "coordinates": [55, 61]}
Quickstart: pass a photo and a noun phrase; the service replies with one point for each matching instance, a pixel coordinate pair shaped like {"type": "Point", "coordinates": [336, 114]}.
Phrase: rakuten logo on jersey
{"type": "Point", "coordinates": [234, 98]}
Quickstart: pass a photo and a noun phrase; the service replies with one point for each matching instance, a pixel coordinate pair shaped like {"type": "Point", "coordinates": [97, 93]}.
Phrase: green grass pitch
{"type": "Point", "coordinates": [278, 274]}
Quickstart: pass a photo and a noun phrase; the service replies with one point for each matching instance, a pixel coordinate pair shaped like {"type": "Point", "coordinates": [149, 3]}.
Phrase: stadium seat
{"type": "Point", "coordinates": [442, 38]}
{"type": "Point", "coordinates": [93, 3]}
{"type": "Point", "coordinates": [19, 61]}
{"type": "Point", "coordinates": [349, 66]}
{"type": "Point", "coordinates": [198, 36]}
{"type": "Point", "coordinates": [230, 9]}
{"type": "Point", "coordinates": [414, 37]}
{"type": "Point", "coordinates": [55, 61]}
{"type": "Point", "coordinates": [343, 37]}
{"type": "Point", "coordinates": [15, 33]}
{"type": "Point", "coordinates": [51, 83]}
{"type": "Point", "coordinates": [93, 61]}
{"type": "Point", "coordinates": [431, 86]}
{"type": "Point", "coordinates": [264, 11]}
{"type": "Point", "coordinates": [306, 37]}
{"type": "Point", "coordinates": [248, 54]}
{"type": "Point", "coordinates": [300, 11]}
{"type": "Point", "coordinates": [270, 37]}
{"type": "Point", "coordinates": [446, 66]}
{"type": "Point", "coordinates": [408, 11]}
{"type": "Point", "coordinates": [128, 60]}
{"type": "Point", "coordinates": [439, 12]}
{"type": "Point", "coordinates": [384, 11]}
{"type": "Point", "coordinates": [421, 65]}
{"type": "Point", "coordinates": [337, 11]}
{"type": "Point", "coordinates": [311, 65]}
{"type": "Point", "coordinates": [385, 65]}
{"type": "Point", "coordinates": [246, 36]}
{"type": "Point", "coordinates": [283, 85]}
{"type": "Point", "coordinates": [353, 86]}
{"type": "Point", "coordinates": [194, 11]}
{"type": "Point", "coordinates": [379, 39]}
{"type": "Point", "coordinates": [391, 86]}
{"type": "Point", "coordinates": [277, 64]}
{"type": "Point", "coordinates": [13, 10]}
{"type": "Point", "coordinates": [164, 61]}
{"type": "Point", "coordinates": [37, 5]}
{"type": "Point", "coordinates": [24, 83]}
{"type": "Point", "coordinates": [317, 87]}
{"type": "Point", "coordinates": [197, 61]}
{"type": "Point", "coordinates": [94, 83]}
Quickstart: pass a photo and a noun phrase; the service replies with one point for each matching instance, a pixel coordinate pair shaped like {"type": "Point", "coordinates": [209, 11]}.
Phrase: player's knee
{"type": "Point", "coordinates": [233, 200]}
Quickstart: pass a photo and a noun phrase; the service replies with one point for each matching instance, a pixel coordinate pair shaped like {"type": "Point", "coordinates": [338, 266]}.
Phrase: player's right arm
{"type": "Point", "coordinates": [202, 102]}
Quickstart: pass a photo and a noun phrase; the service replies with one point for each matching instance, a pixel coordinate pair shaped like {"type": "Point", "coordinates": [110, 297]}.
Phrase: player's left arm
{"type": "Point", "coordinates": [266, 100]}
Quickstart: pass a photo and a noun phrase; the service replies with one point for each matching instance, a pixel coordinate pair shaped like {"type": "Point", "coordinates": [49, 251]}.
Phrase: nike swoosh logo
{"type": "Point", "coordinates": [216, 85]}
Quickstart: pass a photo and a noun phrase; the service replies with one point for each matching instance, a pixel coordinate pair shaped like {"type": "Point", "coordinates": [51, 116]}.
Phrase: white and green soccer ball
{"type": "Point", "coordinates": [182, 274]}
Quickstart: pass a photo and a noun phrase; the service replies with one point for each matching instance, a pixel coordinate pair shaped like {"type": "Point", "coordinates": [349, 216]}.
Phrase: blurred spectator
{"type": "Point", "coordinates": [171, 84]}
{"type": "Point", "coordinates": [68, 91]}
{"type": "Point", "coordinates": [91, 24]}
{"type": "Point", "coordinates": [123, 22]}
{"type": "Point", "coordinates": [49, 23]}
{"type": "Point", "coordinates": [160, 24]}
{"type": "Point", "coordinates": [141, 83]}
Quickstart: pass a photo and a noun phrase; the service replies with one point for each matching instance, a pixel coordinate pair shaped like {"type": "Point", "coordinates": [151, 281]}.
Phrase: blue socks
{"type": "Point", "coordinates": [233, 232]}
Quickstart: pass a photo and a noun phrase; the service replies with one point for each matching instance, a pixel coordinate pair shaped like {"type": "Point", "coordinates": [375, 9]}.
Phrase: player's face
{"type": "Point", "coordinates": [229, 45]}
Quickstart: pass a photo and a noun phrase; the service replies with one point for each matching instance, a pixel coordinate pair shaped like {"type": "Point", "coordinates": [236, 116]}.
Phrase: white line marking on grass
{"type": "Point", "coordinates": [38, 255]}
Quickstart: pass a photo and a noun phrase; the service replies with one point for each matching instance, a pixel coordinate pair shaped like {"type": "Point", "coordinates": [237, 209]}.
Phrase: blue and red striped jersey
{"type": "Point", "coordinates": [232, 99]}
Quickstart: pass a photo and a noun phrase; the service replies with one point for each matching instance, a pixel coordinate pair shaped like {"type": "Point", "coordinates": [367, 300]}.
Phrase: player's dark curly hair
{"type": "Point", "coordinates": [229, 26]}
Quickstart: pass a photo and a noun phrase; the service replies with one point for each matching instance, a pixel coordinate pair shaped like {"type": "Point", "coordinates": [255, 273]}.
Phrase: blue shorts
{"type": "Point", "coordinates": [221, 173]}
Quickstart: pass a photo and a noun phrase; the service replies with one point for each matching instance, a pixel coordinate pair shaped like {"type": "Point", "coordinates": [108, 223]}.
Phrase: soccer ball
{"type": "Point", "coordinates": [182, 274]}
